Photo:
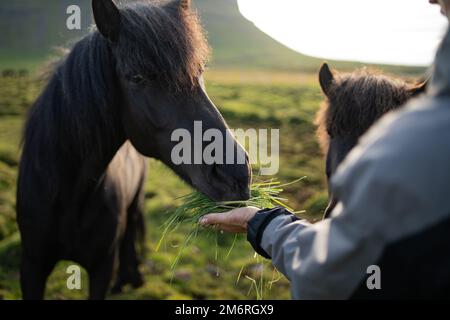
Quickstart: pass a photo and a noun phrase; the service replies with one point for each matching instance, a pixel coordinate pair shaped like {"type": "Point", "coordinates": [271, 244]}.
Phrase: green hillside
{"type": "Point", "coordinates": [238, 42]}
{"type": "Point", "coordinates": [31, 30]}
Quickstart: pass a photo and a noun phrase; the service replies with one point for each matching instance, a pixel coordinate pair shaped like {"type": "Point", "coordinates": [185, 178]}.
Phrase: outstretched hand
{"type": "Point", "coordinates": [234, 221]}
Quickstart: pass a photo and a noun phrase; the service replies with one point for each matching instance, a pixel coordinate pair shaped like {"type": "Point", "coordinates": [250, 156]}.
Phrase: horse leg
{"type": "Point", "coordinates": [33, 276]}
{"type": "Point", "coordinates": [128, 257]}
{"type": "Point", "coordinates": [100, 278]}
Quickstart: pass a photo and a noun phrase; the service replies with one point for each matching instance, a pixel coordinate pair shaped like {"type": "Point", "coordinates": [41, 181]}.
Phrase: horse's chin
{"type": "Point", "coordinates": [208, 191]}
{"type": "Point", "coordinates": [205, 189]}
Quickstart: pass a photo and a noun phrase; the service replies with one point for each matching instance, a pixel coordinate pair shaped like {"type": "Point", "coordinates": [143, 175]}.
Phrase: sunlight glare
{"type": "Point", "coordinates": [404, 32]}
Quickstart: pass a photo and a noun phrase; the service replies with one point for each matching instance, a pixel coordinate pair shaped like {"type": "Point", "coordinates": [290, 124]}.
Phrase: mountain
{"type": "Point", "coordinates": [236, 41]}
{"type": "Point", "coordinates": [30, 29]}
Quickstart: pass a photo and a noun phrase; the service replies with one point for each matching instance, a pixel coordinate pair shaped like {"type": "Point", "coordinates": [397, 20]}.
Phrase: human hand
{"type": "Point", "coordinates": [234, 221]}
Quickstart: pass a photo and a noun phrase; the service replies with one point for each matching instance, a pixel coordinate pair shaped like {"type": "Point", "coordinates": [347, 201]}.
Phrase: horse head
{"type": "Point", "coordinates": [354, 102]}
{"type": "Point", "coordinates": [160, 53]}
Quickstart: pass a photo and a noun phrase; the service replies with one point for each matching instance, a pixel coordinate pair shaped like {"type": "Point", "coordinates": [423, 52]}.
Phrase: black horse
{"type": "Point", "coordinates": [119, 93]}
{"type": "Point", "coordinates": [354, 103]}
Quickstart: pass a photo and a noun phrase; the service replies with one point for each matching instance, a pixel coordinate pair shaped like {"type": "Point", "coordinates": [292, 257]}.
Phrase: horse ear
{"type": "Point", "coordinates": [107, 18]}
{"type": "Point", "coordinates": [419, 88]}
{"type": "Point", "coordinates": [181, 4]}
{"type": "Point", "coordinates": [326, 78]}
{"type": "Point", "coordinates": [185, 4]}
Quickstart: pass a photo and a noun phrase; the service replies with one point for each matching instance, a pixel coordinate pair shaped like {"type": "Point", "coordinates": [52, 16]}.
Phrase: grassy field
{"type": "Point", "coordinates": [247, 99]}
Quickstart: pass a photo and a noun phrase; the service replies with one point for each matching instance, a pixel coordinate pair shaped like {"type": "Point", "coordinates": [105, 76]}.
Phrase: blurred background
{"type": "Point", "coordinates": [259, 77]}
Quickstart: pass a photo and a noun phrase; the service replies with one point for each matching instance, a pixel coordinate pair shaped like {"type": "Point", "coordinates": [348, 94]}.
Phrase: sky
{"type": "Point", "coordinates": [400, 32]}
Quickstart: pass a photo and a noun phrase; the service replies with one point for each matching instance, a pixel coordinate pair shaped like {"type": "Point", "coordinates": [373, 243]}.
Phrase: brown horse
{"type": "Point", "coordinates": [120, 92]}
{"type": "Point", "coordinates": [354, 102]}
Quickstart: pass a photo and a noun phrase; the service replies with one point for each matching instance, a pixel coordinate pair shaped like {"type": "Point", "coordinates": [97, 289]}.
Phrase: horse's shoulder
{"type": "Point", "coordinates": [125, 173]}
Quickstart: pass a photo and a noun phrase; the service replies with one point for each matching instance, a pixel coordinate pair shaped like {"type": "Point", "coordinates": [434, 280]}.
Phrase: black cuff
{"type": "Point", "coordinates": [258, 224]}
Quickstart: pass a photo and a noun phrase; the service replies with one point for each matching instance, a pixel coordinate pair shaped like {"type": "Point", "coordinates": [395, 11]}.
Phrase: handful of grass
{"type": "Point", "coordinates": [196, 205]}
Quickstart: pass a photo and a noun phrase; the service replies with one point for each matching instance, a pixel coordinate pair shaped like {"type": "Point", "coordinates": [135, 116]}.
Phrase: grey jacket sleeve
{"type": "Point", "coordinates": [323, 261]}
{"type": "Point", "coordinates": [393, 185]}
{"type": "Point", "coordinates": [378, 205]}
{"type": "Point", "coordinates": [329, 260]}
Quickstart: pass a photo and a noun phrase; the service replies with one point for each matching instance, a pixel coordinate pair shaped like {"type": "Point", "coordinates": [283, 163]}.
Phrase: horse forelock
{"type": "Point", "coordinates": [163, 43]}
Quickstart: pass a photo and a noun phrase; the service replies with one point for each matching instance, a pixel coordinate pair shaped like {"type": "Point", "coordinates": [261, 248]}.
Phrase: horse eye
{"type": "Point", "coordinates": [138, 79]}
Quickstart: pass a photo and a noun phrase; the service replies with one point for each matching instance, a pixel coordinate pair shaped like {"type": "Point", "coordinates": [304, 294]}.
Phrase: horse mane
{"type": "Point", "coordinates": [77, 100]}
{"type": "Point", "coordinates": [356, 100]}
